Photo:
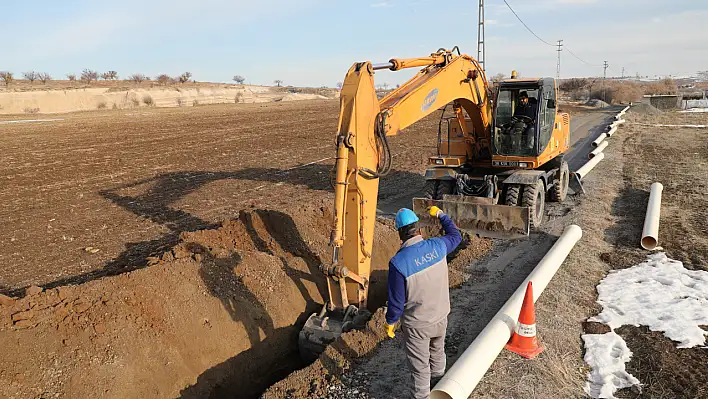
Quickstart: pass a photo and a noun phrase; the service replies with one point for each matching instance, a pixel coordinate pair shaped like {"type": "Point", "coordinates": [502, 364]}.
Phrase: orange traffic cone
{"type": "Point", "coordinates": [523, 342]}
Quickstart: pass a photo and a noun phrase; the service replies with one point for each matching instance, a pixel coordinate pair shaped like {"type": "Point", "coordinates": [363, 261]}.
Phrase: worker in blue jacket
{"type": "Point", "coordinates": [418, 296]}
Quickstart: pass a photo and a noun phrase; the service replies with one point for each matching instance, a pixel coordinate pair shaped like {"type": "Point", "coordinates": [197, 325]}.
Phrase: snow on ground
{"type": "Point", "coordinates": [692, 110]}
{"type": "Point", "coordinates": [607, 355]}
{"type": "Point", "coordinates": [663, 125]}
{"type": "Point", "coordinates": [659, 293]}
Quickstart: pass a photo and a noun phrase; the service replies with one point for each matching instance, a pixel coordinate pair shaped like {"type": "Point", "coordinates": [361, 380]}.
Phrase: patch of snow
{"type": "Point", "coordinates": [659, 293]}
{"type": "Point", "coordinates": [607, 355]}
{"type": "Point", "coordinates": [662, 125]}
{"type": "Point", "coordinates": [693, 110]}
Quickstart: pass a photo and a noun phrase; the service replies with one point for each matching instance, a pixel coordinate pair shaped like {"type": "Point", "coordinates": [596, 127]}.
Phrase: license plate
{"type": "Point", "coordinates": [505, 163]}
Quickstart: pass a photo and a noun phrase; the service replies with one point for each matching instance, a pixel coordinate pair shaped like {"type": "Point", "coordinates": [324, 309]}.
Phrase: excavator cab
{"type": "Point", "coordinates": [523, 130]}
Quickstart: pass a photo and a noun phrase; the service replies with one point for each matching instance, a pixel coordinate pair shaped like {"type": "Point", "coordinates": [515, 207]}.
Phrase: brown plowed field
{"type": "Point", "coordinates": [128, 184]}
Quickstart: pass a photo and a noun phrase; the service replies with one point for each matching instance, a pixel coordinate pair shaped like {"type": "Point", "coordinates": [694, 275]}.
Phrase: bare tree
{"type": "Point", "coordinates": [703, 75]}
{"type": "Point", "coordinates": [184, 78]}
{"type": "Point", "coordinates": [110, 75]}
{"type": "Point", "coordinates": [31, 76]}
{"type": "Point", "coordinates": [573, 84]}
{"type": "Point", "coordinates": [498, 78]}
{"type": "Point", "coordinates": [44, 77]}
{"type": "Point", "coordinates": [163, 79]}
{"type": "Point", "coordinates": [278, 82]}
{"type": "Point", "coordinates": [7, 77]}
{"type": "Point", "coordinates": [239, 79]}
{"type": "Point", "coordinates": [88, 76]}
{"type": "Point", "coordinates": [71, 77]}
{"type": "Point", "coordinates": [137, 78]}
{"type": "Point", "coordinates": [339, 85]}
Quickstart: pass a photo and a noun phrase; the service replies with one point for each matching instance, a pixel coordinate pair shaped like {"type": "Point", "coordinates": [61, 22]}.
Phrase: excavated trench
{"type": "Point", "coordinates": [298, 244]}
{"type": "Point", "coordinates": [216, 316]}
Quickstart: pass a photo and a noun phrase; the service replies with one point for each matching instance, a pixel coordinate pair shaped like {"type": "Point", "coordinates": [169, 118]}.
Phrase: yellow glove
{"type": "Point", "coordinates": [435, 211]}
{"type": "Point", "coordinates": [389, 330]}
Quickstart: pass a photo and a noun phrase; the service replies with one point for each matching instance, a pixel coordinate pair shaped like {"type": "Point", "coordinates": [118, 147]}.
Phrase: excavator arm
{"type": "Point", "coordinates": [363, 156]}
{"type": "Point", "coordinates": [363, 153]}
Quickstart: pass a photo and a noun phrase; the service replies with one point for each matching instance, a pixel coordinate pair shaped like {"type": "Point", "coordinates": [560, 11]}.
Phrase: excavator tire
{"type": "Point", "coordinates": [512, 194]}
{"type": "Point", "coordinates": [534, 196]}
{"type": "Point", "coordinates": [560, 184]}
{"type": "Point", "coordinates": [435, 189]}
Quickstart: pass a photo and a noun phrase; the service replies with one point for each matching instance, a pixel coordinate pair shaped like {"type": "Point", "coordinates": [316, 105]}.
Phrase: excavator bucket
{"type": "Point", "coordinates": [323, 328]}
{"type": "Point", "coordinates": [478, 216]}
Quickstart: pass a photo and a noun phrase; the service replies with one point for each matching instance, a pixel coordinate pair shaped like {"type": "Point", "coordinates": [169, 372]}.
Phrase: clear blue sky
{"type": "Point", "coordinates": [314, 42]}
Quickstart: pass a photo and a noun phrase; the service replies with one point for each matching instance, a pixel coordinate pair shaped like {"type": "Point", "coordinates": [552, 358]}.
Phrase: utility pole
{"type": "Point", "coordinates": [622, 72]}
{"type": "Point", "coordinates": [604, 76]}
{"type": "Point", "coordinates": [558, 69]}
{"type": "Point", "coordinates": [481, 50]}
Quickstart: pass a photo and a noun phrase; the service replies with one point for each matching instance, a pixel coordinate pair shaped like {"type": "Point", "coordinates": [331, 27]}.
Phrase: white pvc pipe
{"type": "Point", "coordinates": [597, 150]}
{"type": "Point", "coordinates": [585, 169]}
{"type": "Point", "coordinates": [599, 139]}
{"type": "Point", "coordinates": [462, 378]}
{"type": "Point", "coordinates": [612, 131]}
{"type": "Point", "coordinates": [650, 234]}
{"type": "Point", "coordinates": [618, 116]}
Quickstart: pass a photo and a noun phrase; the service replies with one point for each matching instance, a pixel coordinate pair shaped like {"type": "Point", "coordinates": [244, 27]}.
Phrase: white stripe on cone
{"type": "Point", "coordinates": [526, 330]}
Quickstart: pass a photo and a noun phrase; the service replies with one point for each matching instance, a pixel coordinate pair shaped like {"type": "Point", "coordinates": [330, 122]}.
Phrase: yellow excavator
{"type": "Point", "coordinates": [497, 158]}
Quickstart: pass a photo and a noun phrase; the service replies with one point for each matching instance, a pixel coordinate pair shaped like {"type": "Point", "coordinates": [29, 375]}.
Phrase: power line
{"type": "Point", "coordinates": [545, 42]}
{"type": "Point", "coordinates": [578, 58]}
{"type": "Point", "coordinates": [529, 29]}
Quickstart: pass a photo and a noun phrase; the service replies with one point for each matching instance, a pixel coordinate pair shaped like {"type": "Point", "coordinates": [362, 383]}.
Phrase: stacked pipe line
{"type": "Point", "coordinates": [596, 155]}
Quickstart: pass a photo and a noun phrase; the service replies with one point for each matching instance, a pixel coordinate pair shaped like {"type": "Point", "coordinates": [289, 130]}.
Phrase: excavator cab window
{"type": "Point", "coordinates": [516, 121]}
{"type": "Point", "coordinates": [548, 112]}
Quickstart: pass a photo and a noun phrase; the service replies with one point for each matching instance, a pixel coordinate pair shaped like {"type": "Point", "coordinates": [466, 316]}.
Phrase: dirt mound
{"type": "Point", "coordinates": [644, 109]}
{"type": "Point", "coordinates": [595, 103]}
{"type": "Point", "coordinates": [218, 315]}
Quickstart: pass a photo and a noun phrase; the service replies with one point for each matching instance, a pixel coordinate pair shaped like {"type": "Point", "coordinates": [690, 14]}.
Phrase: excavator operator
{"type": "Point", "coordinates": [418, 295]}
{"type": "Point", "coordinates": [525, 108]}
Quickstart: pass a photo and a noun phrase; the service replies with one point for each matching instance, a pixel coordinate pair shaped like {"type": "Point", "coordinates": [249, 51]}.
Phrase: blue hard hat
{"type": "Point", "coordinates": [405, 217]}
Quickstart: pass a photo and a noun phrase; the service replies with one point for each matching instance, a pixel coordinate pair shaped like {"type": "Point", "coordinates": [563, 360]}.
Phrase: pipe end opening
{"type": "Point", "coordinates": [649, 242]}
{"type": "Point", "coordinates": [439, 395]}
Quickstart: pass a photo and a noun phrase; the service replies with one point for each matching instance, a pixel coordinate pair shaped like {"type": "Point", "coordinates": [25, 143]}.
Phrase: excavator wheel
{"type": "Point", "coordinates": [534, 197]}
{"type": "Point", "coordinates": [435, 189]}
{"type": "Point", "coordinates": [513, 192]}
{"type": "Point", "coordinates": [560, 184]}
